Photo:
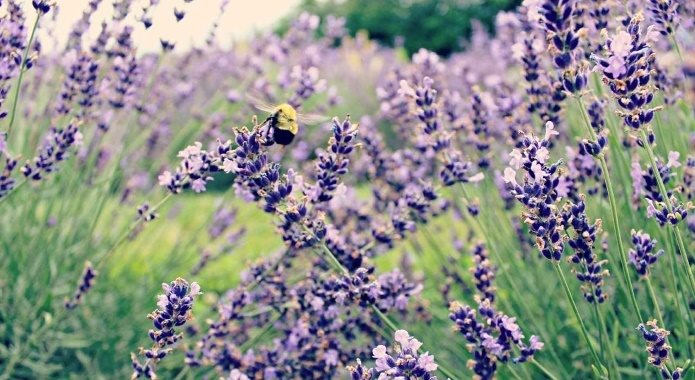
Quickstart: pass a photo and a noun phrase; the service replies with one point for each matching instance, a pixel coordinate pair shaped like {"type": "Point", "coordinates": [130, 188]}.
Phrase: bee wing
{"type": "Point", "coordinates": [311, 118]}
{"type": "Point", "coordinates": [260, 103]}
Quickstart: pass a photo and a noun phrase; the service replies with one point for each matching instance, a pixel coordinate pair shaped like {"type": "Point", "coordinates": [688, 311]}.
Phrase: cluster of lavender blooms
{"type": "Point", "coordinates": [664, 15]}
{"type": "Point", "coordinates": [12, 44]}
{"type": "Point", "coordinates": [55, 149]}
{"type": "Point", "coordinates": [7, 183]}
{"type": "Point", "coordinates": [483, 273]}
{"type": "Point", "coordinates": [539, 191]}
{"type": "Point", "coordinates": [491, 336]}
{"type": "Point", "coordinates": [598, 122]}
{"type": "Point", "coordinates": [258, 179]}
{"type": "Point", "coordinates": [541, 89]}
{"type": "Point", "coordinates": [642, 255]}
{"type": "Point", "coordinates": [659, 349]}
{"type": "Point", "coordinates": [317, 325]}
{"type": "Point", "coordinates": [174, 311]}
{"type": "Point", "coordinates": [195, 168]}
{"type": "Point", "coordinates": [627, 72]}
{"type": "Point", "coordinates": [645, 185]}
{"type": "Point", "coordinates": [436, 140]}
{"type": "Point", "coordinates": [551, 223]}
{"type": "Point", "coordinates": [582, 239]}
{"type": "Point", "coordinates": [404, 363]}
{"type": "Point", "coordinates": [332, 164]}
{"type": "Point", "coordinates": [145, 214]}
{"type": "Point", "coordinates": [563, 34]}
{"type": "Point", "coordinates": [318, 299]}
{"type": "Point", "coordinates": [80, 82]}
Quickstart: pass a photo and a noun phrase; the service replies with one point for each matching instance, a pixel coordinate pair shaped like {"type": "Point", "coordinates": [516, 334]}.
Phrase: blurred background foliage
{"type": "Point", "coordinates": [441, 26]}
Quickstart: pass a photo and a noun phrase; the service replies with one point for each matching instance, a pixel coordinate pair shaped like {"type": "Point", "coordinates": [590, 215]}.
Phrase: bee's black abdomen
{"type": "Point", "coordinates": [282, 136]}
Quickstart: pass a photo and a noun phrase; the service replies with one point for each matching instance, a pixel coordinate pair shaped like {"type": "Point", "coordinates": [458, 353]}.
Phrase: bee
{"type": "Point", "coordinates": [282, 125]}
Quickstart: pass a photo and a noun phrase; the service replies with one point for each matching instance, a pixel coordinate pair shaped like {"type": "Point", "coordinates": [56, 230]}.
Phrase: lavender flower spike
{"type": "Point", "coordinates": [658, 349]}
{"type": "Point", "coordinates": [86, 283]}
{"type": "Point", "coordinates": [642, 255]}
{"type": "Point", "coordinates": [174, 310]}
{"type": "Point", "coordinates": [333, 163]}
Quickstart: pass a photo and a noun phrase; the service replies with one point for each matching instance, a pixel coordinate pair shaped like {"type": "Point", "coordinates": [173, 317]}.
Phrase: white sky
{"type": "Point", "coordinates": [241, 19]}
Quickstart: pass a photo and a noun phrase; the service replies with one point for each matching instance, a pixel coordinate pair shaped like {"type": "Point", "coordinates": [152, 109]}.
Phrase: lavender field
{"type": "Point", "coordinates": [310, 203]}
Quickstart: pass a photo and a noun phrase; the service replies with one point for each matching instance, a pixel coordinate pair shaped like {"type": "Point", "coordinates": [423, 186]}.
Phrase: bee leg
{"type": "Point", "coordinates": [267, 133]}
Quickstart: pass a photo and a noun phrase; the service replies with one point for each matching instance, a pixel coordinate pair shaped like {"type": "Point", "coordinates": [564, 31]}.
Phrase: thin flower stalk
{"type": "Point", "coordinates": [674, 228]}
{"type": "Point", "coordinates": [614, 210]}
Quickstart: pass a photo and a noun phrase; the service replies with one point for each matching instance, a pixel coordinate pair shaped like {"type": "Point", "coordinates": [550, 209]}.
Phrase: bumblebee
{"type": "Point", "coordinates": [283, 123]}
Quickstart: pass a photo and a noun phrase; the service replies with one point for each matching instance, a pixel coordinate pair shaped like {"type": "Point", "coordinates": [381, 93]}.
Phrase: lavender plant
{"type": "Point", "coordinates": [134, 164]}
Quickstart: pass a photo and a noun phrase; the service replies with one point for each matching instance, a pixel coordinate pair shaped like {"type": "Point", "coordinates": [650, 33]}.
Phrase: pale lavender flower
{"type": "Point", "coordinates": [404, 363]}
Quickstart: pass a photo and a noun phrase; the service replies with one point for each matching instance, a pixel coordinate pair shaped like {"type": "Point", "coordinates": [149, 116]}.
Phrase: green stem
{"type": "Point", "coordinates": [676, 46]}
{"type": "Point", "coordinates": [607, 344]}
{"type": "Point", "coordinates": [183, 373]}
{"type": "Point", "coordinates": [127, 233]}
{"type": "Point", "coordinates": [667, 201]}
{"type": "Point", "coordinates": [545, 371]}
{"type": "Point", "coordinates": [14, 190]}
{"type": "Point", "coordinates": [582, 327]}
{"type": "Point", "coordinates": [614, 212]}
{"type": "Point", "coordinates": [13, 115]}
{"type": "Point", "coordinates": [269, 326]}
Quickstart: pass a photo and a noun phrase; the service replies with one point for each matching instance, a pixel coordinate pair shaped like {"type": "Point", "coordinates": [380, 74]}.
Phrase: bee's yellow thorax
{"type": "Point", "coordinates": [287, 118]}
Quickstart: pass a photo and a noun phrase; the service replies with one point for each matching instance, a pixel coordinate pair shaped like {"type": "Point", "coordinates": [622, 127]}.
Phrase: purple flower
{"type": "Point", "coordinates": [658, 349]}
{"type": "Point", "coordinates": [664, 14]}
{"type": "Point", "coordinates": [42, 6]}
{"type": "Point", "coordinates": [483, 273]}
{"type": "Point", "coordinates": [333, 163]}
{"type": "Point", "coordinates": [589, 269]}
{"type": "Point", "coordinates": [490, 338]}
{"type": "Point", "coordinates": [642, 255]}
{"type": "Point", "coordinates": [174, 310]}
{"type": "Point", "coordinates": [626, 70]}
{"type": "Point", "coordinates": [55, 149]}
{"type": "Point", "coordinates": [538, 192]}
{"type": "Point", "coordinates": [79, 84]}
{"type": "Point", "coordinates": [85, 284]}
{"type": "Point", "coordinates": [405, 363]}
